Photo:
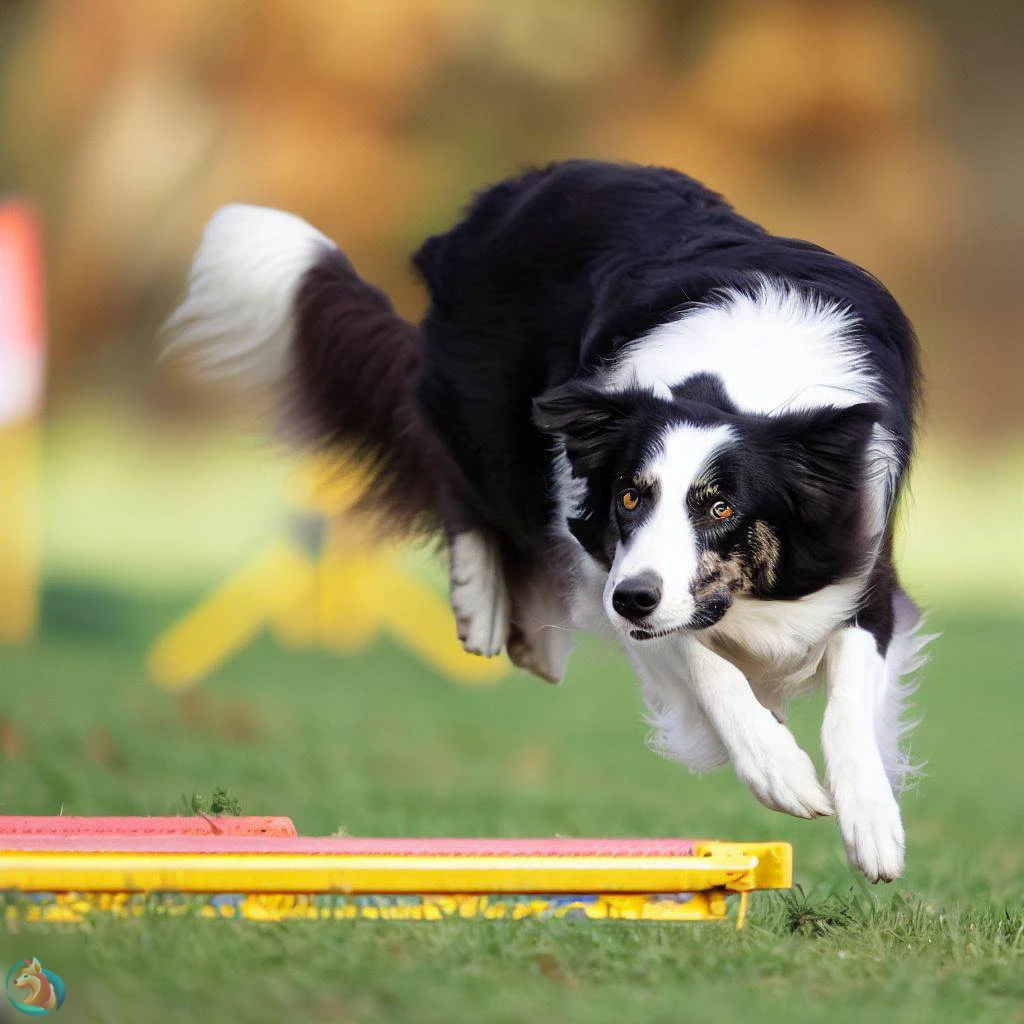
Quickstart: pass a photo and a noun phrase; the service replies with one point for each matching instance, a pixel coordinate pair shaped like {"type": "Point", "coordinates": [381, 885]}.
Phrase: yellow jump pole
{"type": "Point", "coordinates": [68, 877]}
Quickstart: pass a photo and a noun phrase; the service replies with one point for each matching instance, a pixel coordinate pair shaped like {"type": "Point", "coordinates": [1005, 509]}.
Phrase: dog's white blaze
{"type": "Point", "coordinates": [236, 322]}
{"type": "Point", "coordinates": [666, 543]}
{"type": "Point", "coordinates": [777, 350]}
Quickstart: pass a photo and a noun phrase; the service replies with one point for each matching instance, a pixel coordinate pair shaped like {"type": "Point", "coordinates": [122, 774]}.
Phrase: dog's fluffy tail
{"type": "Point", "coordinates": [275, 309]}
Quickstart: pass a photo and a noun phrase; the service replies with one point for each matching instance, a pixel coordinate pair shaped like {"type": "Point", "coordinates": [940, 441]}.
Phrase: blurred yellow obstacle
{"type": "Point", "coordinates": [322, 582]}
{"type": "Point", "coordinates": [22, 369]}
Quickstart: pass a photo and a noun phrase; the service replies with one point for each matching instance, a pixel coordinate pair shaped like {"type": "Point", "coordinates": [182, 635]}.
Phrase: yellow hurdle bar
{"type": "Point", "coordinates": [735, 867]}
{"type": "Point", "coordinates": [71, 884]}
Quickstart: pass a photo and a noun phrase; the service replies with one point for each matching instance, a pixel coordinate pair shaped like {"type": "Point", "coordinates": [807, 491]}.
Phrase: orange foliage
{"type": "Point", "coordinates": [133, 121]}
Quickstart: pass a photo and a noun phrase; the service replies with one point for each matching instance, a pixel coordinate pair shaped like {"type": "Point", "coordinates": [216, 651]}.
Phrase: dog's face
{"type": "Point", "coordinates": [689, 504]}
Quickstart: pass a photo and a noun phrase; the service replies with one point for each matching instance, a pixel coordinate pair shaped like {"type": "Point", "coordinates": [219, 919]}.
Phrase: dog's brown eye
{"type": "Point", "coordinates": [629, 499]}
{"type": "Point", "coordinates": [721, 510]}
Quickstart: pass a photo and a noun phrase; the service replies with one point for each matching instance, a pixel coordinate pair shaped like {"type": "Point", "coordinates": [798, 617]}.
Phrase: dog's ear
{"type": "Point", "coordinates": [823, 455]}
{"type": "Point", "coordinates": [591, 422]}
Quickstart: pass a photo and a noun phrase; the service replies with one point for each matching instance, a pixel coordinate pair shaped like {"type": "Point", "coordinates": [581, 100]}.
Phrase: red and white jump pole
{"type": "Point", "coordinates": [22, 379]}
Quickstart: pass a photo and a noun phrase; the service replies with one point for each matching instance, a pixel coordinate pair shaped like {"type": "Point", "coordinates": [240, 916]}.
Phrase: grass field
{"type": "Point", "coordinates": [377, 744]}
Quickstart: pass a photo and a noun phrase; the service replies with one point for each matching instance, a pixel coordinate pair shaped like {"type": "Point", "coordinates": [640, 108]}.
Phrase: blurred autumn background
{"type": "Point", "coordinates": [889, 132]}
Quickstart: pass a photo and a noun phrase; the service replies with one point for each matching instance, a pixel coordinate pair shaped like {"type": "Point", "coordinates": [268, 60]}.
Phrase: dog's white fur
{"type": "Point", "coordinates": [777, 350]}
{"type": "Point", "coordinates": [866, 808]}
{"type": "Point", "coordinates": [478, 585]}
{"type": "Point", "coordinates": [236, 322]}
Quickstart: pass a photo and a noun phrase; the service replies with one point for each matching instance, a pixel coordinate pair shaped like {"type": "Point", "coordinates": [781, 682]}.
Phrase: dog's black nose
{"type": "Point", "coordinates": [635, 598]}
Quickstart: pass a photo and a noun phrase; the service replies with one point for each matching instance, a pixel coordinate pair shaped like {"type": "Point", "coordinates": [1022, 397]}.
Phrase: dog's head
{"type": "Point", "coordinates": [689, 504]}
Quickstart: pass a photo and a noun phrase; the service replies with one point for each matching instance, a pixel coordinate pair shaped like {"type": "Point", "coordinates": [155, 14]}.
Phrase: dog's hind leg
{"type": "Point", "coordinates": [500, 604]}
{"type": "Point", "coordinates": [540, 638]}
{"type": "Point", "coordinates": [479, 591]}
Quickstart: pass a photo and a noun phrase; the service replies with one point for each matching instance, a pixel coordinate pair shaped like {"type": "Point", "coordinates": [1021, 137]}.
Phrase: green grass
{"type": "Point", "coordinates": [378, 744]}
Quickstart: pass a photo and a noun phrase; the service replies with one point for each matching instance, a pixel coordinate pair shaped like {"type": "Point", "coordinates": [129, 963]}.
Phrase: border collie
{"type": "Point", "coordinates": [627, 408]}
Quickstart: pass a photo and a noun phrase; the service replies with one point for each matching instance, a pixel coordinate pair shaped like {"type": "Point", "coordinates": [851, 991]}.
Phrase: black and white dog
{"type": "Point", "coordinates": [627, 406]}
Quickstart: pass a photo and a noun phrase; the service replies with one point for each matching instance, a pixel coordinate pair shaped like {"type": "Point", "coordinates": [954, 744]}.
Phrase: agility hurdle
{"type": "Point", "coordinates": [259, 869]}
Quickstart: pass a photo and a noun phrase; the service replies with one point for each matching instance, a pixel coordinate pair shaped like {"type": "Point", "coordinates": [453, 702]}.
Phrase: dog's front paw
{"type": "Point", "coordinates": [479, 594]}
{"type": "Point", "coordinates": [872, 829]}
{"type": "Point", "coordinates": [781, 775]}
